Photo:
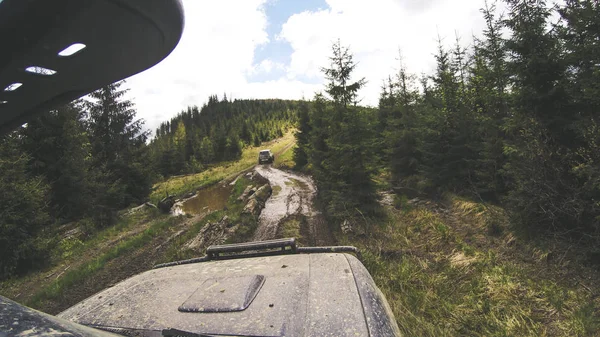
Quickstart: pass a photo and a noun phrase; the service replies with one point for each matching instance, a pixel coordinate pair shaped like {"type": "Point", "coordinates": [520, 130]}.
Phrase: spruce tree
{"type": "Point", "coordinates": [60, 151]}
{"type": "Point", "coordinates": [118, 147]}
{"type": "Point", "coordinates": [348, 164]}
{"type": "Point", "coordinates": [302, 136]}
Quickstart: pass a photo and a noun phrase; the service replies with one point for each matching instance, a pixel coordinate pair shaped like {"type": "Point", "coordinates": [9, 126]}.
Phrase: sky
{"type": "Point", "coordinates": [276, 48]}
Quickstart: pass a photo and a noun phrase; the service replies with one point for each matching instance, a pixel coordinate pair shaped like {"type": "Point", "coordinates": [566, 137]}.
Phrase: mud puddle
{"type": "Point", "coordinates": [206, 200]}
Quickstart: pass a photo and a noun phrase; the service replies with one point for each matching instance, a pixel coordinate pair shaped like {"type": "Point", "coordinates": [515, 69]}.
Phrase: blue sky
{"type": "Point", "coordinates": [276, 48]}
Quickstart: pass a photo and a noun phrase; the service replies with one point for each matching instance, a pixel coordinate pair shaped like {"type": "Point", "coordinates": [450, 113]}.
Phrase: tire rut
{"type": "Point", "coordinates": [295, 197]}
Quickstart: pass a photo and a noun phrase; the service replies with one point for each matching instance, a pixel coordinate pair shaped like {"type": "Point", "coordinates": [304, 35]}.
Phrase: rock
{"type": "Point", "coordinates": [346, 227]}
{"type": "Point", "coordinates": [210, 234]}
{"type": "Point", "coordinates": [189, 195]}
{"type": "Point", "coordinates": [235, 180]}
{"type": "Point", "coordinates": [166, 204]}
{"type": "Point", "coordinates": [225, 221]}
{"type": "Point", "coordinates": [414, 201]}
{"type": "Point", "coordinates": [252, 207]}
{"type": "Point", "coordinates": [244, 196]}
{"type": "Point", "coordinates": [386, 199]}
{"type": "Point", "coordinates": [263, 193]}
{"type": "Point", "coordinates": [177, 208]}
{"type": "Point", "coordinates": [73, 233]}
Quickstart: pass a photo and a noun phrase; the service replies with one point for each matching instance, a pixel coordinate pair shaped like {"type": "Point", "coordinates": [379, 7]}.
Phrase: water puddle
{"type": "Point", "coordinates": [209, 199]}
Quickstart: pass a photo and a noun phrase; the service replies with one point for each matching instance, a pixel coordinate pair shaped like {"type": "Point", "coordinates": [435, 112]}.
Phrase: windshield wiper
{"type": "Point", "coordinates": [181, 333]}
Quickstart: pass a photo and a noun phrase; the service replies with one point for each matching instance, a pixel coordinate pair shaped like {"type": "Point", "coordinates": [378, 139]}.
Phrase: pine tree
{"type": "Point", "coordinates": [344, 171]}
{"type": "Point", "coordinates": [541, 136]}
{"type": "Point", "coordinates": [448, 150]}
{"type": "Point", "coordinates": [339, 88]}
{"type": "Point", "coordinates": [118, 148]}
{"type": "Point", "coordinates": [23, 208]}
{"type": "Point", "coordinates": [59, 150]}
{"type": "Point", "coordinates": [489, 102]}
{"type": "Point", "coordinates": [302, 136]}
{"type": "Point", "coordinates": [580, 34]}
{"type": "Point", "coordinates": [401, 132]}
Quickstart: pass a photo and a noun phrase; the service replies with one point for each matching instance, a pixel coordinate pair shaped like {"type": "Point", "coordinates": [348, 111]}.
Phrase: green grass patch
{"type": "Point", "coordinates": [91, 237]}
{"type": "Point", "coordinates": [55, 290]}
{"type": "Point", "coordinates": [285, 160]}
{"type": "Point", "coordinates": [291, 227]}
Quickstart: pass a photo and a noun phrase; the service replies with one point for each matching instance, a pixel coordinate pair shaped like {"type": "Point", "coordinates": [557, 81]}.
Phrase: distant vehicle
{"type": "Point", "coordinates": [266, 156]}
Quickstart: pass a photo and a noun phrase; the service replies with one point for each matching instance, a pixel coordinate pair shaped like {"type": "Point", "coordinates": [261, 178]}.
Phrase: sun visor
{"type": "Point", "coordinates": [52, 52]}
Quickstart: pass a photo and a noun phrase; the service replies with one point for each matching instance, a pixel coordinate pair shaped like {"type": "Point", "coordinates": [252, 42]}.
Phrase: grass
{"type": "Point", "coordinates": [446, 274]}
{"type": "Point", "coordinates": [293, 226]}
{"type": "Point", "coordinates": [75, 275]}
{"type": "Point", "coordinates": [285, 160]}
{"type": "Point", "coordinates": [74, 249]}
{"type": "Point", "coordinates": [184, 184]}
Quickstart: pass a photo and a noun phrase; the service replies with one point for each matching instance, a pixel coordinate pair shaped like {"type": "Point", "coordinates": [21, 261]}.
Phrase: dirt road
{"type": "Point", "coordinates": [293, 194]}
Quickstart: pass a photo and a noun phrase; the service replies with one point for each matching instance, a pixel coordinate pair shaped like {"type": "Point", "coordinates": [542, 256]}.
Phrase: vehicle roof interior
{"type": "Point", "coordinates": [121, 38]}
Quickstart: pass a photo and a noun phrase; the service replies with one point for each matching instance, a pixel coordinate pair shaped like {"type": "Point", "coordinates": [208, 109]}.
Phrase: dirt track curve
{"type": "Point", "coordinates": [293, 194]}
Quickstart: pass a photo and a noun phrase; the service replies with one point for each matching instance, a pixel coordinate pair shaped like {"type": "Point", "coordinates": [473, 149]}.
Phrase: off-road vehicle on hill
{"type": "Point", "coordinates": [266, 156]}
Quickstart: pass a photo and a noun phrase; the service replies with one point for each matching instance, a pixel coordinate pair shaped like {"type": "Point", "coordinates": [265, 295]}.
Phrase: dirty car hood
{"type": "Point", "coordinates": [297, 295]}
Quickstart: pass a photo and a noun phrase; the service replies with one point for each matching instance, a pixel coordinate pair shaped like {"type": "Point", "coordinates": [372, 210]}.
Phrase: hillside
{"type": "Point", "coordinates": [86, 161]}
{"type": "Point", "coordinates": [86, 261]}
{"type": "Point", "coordinates": [218, 131]}
{"type": "Point", "coordinates": [448, 267]}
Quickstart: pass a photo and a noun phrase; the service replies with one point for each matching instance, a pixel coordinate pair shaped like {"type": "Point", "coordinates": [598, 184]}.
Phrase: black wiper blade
{"type": "Point", "coordinates": [181, 333]}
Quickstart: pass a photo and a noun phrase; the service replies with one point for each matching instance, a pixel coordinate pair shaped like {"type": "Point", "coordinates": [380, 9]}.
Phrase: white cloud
{"type": "Point", "coordinates": [216, 53]}
{"type": "Point", "coordinates": [213, 56]}
{"type": "Point", "coordinates": [375, 30]}
{"type": "Point", "coordinates": [265, 67]}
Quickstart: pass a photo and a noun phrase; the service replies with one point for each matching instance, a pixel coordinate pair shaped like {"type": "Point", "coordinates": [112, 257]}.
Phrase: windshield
{"type": "Point", "coordinates": [456, 144]}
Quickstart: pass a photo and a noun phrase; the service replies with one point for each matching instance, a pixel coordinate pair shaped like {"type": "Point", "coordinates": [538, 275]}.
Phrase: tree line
{"type": "Point", "coordinates": [91, 158]}
{"type": "Point", "coordinates": [218, 131]}
{"type": "Point", "coordinates": [512, 119]}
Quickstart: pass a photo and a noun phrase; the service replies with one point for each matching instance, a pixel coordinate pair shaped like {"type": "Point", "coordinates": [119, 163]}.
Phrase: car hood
{"type": "Point", "coordinates": [286, 295]}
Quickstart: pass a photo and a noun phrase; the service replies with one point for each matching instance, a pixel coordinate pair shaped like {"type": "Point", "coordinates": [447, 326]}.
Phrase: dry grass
{"type": "Point", "coordinates": [458, 269]}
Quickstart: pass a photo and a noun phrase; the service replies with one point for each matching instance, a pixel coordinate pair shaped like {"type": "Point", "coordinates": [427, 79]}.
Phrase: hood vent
{"type": "Point", "coordinates": [224, 294]}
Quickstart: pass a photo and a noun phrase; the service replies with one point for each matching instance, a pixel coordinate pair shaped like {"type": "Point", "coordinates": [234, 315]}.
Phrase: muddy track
{"type": "Point", "coordinates": [120, 268]}
{"type": "Point", "coordinates": [293, 194]}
